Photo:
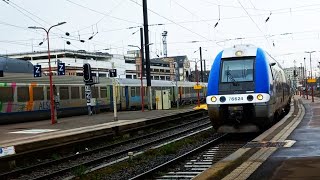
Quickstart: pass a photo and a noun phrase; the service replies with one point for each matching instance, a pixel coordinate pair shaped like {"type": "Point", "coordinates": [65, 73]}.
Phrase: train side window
{"type": "Point", "coordinates": [38, 94]}
{"type": "Point", "coordinates": [75, 93]}
{"type": "Point", "coordinates": [64, 92]}
{"type": "Point", "coordinates": [133, 91]}
{"type": "Point", "coordinates": [83, 95]}
{"type": "Point", "coordinates": [103, 92]}
{"type": "Point", "coordinates": [23, 94]}
{"type": "Point", "coordinates": [95, 92]}
{"type": "Point", "coordinates": [6, 94]}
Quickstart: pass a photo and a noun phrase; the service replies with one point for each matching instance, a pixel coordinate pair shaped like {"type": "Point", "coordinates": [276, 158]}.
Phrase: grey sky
{"type": "Point", "coordinates": [293, 26]}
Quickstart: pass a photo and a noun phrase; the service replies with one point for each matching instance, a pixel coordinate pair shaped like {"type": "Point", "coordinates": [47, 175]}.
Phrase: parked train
{"type": "Point", "coordinates": [27, 99]}
{"type": "Point", "coordinates": [247, 90]}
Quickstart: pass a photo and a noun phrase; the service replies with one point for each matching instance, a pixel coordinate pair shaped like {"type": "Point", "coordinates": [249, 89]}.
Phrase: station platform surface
{"type": "Point", "coordinates": [302, 160]}
{"type": "Point", "coordinates": [15, 134]}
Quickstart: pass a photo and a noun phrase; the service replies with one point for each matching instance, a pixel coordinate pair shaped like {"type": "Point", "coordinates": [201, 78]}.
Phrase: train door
{"type": "Point", "coordinates": [111, 97]}
{"type": "Point", "coordinates": [122, 98]}
{"type": "Point", "coordinates": [126, 93]}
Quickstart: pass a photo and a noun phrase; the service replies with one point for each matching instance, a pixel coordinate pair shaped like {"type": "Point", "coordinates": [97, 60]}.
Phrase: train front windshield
{"type": "Point", "coordinates": [237, 70]}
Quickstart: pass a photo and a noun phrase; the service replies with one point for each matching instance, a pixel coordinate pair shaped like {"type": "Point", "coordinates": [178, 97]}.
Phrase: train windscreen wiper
{"type": "Point", "coordinates": [234, 82]}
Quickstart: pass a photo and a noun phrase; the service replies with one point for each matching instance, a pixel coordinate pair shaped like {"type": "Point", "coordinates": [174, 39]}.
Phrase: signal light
{"type": "Point", "coordinates": [87, 73]}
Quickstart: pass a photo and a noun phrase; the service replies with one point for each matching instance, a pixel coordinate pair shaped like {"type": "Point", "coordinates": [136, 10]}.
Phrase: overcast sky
{"type": "Point", "coordinates": [293, 26]}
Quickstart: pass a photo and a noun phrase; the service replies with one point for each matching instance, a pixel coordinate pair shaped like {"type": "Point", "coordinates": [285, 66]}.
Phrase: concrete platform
{"type": "Point", "coordinates": [280, 152]}
{"type": "Point", "coordinates": [25, 134]}
{"type": "Point", "coordinates": [302, 160]}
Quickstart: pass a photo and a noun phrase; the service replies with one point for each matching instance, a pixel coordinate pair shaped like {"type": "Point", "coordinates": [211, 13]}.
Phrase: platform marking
{"type": "Point", "coordinates": [34, 131]}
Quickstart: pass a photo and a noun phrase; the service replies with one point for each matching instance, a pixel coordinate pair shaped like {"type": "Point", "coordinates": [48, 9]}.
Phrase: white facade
{"type": "Point", "coordinates": [74, 60]}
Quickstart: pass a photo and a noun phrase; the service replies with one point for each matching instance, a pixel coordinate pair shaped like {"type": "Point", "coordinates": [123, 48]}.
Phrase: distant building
{"type": "Point", "coordinates": [9, 66]}
{"type": "Point", "coordinates": [296, 75]}
{"type": "Point", "coordinates": [74, 60]}
{"type": "Point", "coordinates": [196, 75]}
{"type": "Point", "coordinates": [128, 66]}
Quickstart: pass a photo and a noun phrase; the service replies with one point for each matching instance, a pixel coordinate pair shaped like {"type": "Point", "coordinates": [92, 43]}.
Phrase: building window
{"type": "Point", "coordinates": [156, 77]}
{"type": "Point", "coordinates": [162, 77]}
{"type": "Point", "coordinates": [134, 76]}
{"type": "Point", "coordinates": [167, 71]}
{"type": "Point", "coordinates": [161, 70]}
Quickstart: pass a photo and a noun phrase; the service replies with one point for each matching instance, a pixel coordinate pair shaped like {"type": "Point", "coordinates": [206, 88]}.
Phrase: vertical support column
{"type": "Point", "coordinates": [201, 71]}
{"type": "Point", "coordinates": [177, 88]}
{"type": "Point", "coordinates": [115, 117]}
{"type": "Point", "coordinates": [88, 98]}
{"type": "Point", "coordinates": [146, 38]}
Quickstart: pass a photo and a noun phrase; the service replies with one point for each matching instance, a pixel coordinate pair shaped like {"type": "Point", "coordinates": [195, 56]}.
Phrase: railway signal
{"type": "Point", "coordinates": [113, 73]}
{"type": "Point", "coordinates": [87, 77]}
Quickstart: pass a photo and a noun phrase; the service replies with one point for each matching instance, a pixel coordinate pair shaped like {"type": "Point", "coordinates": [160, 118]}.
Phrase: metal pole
{"type": "Point", "coordinates": [311, 78]}
{"type": "Point", "coordinates": [197, 74]}
{"type": "Point", "coordinates": [305, 74]}
{"type": "Point", "coordinates": [146, 37]}
{"type": "Point", "coordinates": [141, 70]}
{"type": "Point", "coordinates": [205, 71]}
{"type": "Point", "coordinates": [53, 109]}
{"type": "Point", "coordinates": [300, 76]}
{"type": "Point", "coordinates": [177, 91]}
{"type": "Point", "coordinates": [115, 117]}
{"type": "Point", "coordinates": [201, 73]}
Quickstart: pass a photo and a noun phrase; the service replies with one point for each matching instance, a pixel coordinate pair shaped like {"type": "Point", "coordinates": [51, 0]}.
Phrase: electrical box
{"type": "Point", "coordinates": [163, 99]}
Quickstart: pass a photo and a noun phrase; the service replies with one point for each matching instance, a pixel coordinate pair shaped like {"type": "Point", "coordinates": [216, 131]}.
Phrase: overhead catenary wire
{"type": "Point", "coordinates": [255, 24]}
{"type": "Point", "coordinates": [175, 23]}
{"type": "Point", "coordinates": [102, 13]}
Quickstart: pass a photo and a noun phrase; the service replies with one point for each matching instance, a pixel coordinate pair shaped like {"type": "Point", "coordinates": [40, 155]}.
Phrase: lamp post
{"type": "Point", "coordinates": [141, 73]}
{"type": "Point", "coordinates": [310, 52]}
{"type": "Point", "coordinates": [305, 75]}
{"type": "Point", "coordinates": [52, 107]}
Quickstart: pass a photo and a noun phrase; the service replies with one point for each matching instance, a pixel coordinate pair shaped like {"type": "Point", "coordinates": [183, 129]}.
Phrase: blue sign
{"type": "Point", "coordinates": [61, 69]}
{"type": "Point", "coordinates": [37, 71]}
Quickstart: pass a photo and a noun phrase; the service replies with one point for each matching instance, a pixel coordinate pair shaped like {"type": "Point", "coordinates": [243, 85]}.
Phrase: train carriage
{"type": "Point", "coordinates": [28, 99]}
{"type": "Point", "coordinates": [247, 90]}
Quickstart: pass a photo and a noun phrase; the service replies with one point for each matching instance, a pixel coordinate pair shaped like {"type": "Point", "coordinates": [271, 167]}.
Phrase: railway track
{"type": "Point", "coordinates": [192, 163]}
{"type": "Point", "coordinates": [106, 154]}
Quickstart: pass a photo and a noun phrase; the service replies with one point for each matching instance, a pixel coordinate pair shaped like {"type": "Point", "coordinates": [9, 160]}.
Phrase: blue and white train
{"type": "Point", "coordinates": [247, 90]}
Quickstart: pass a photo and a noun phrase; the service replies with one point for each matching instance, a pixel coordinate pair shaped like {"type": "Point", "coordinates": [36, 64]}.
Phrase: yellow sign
{"type": "Point", "coordinates": [197, 87]}
{"type": "Point", "coordinates": [157, 99]}
{"type": "Point", "coordinates": [312, 80]}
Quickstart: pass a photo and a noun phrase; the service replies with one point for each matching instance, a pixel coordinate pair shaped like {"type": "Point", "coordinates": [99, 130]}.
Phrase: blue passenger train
{"type": "Point", "coordinates": [247, 90]}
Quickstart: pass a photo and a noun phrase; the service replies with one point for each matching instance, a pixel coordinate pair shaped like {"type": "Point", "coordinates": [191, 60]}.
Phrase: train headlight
{"type": "Point", "coordinates": [213, 99]}
{"type": "Point", "coordinates": [260, 97]}
{"type": "Point", "coordinates": [239, 53]}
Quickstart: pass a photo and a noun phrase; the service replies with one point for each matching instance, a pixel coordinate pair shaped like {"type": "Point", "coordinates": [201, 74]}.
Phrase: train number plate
{"type": "Point", "coordinates": [235, 98]}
